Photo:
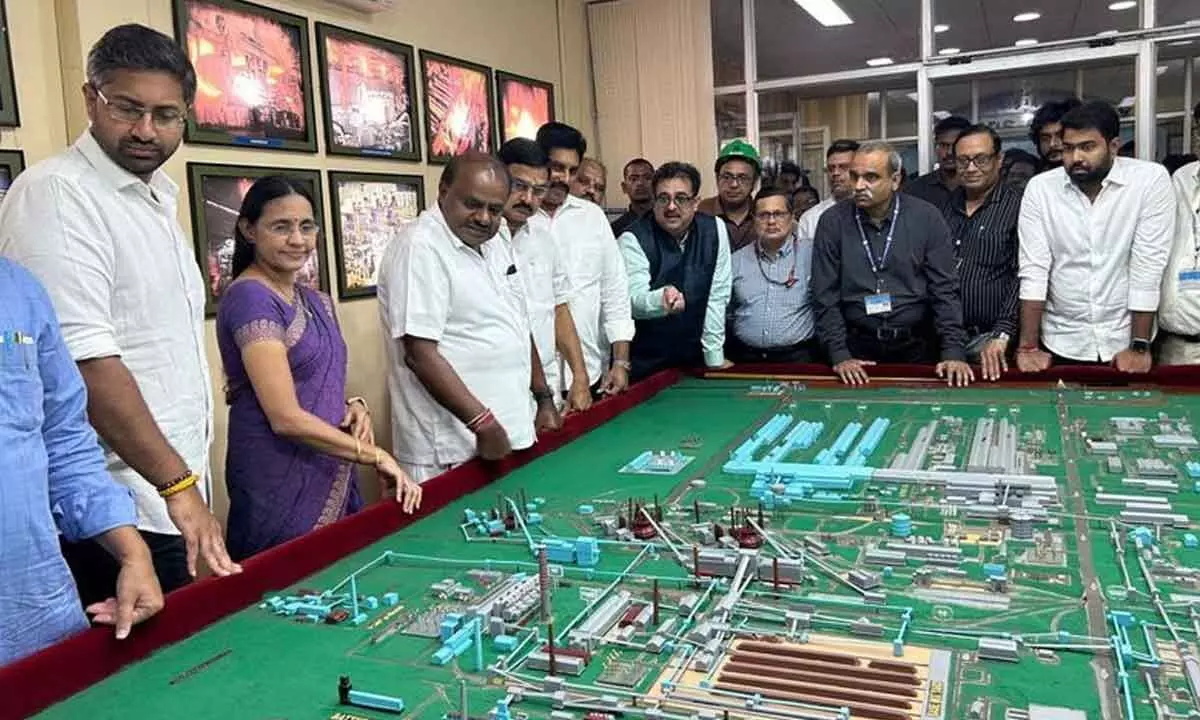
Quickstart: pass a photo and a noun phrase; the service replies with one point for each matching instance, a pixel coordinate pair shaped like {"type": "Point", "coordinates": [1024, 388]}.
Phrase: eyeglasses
{"type": "Point", "coordinates": [520, 187]}
{"type": "Point", "coordinates": [981, 161]}
{"type": "Point", "coordinates": [681, 201]}
{"type": "Point", "coordinates": [731, 179]}
{"type": "Point", "coordinates": [770, 215]}
{"type": "Point", "coordinates": [164, 118]}
{"type": "Point", "coordinates": [285, 228]}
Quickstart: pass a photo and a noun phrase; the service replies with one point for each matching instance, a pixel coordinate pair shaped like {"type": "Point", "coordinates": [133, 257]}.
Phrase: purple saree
{"type": "Point", "coordinates": [278, 488]}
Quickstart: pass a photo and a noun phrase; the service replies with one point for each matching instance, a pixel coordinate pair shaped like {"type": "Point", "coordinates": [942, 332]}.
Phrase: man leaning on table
{"type": "Point", "coordinates": [1179, 310]}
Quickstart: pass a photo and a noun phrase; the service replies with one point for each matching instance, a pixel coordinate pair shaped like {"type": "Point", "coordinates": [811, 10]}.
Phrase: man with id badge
{"type": "Point", "coordinates": [883, 277]}
{"type": "Point", "coordinates": [1179, 310]}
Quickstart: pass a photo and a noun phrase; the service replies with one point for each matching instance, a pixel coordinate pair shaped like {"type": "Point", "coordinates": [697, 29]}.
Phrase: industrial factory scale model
{"type": "Point", "coordinates": [756, 549]}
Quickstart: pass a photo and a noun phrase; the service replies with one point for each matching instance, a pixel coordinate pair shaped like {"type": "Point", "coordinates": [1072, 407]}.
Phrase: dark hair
{"type": "Point", "coordinates": [806, 189]}
{"type": "Point", "coordinates": [970, 130]}
{"type": "Point", "coordinates": [637, 161]}
{"type": "Point", "coordinates": [842, 145]}
{"type": "Point", "coordinates": [770, 192]}
{"type": "Point", "coordinates": [1174, 161]}
{"type": "Point", "coordinates": [791, 168]}
{"type": "Point", "coordinates": [1050, 113]}
{"type": "Point", "coordinates": [555, 135]}
{"type": "Point", "coordinates": [469, 159]}
{"type": "Point", "coordinates": [137, 47]}
{"type": "Point", "coordinates": [523, 151]}
{"type": "Point", "coordinates": [954, 123]}
{"type": "Point", "coordinates": [675, 169]}
{"type": "Point", "coordinates": [1094, 115]}
{"type": "Point", "coordinates": [261, 193]}
{"type": "Point", "coordinates": [1017, 155]}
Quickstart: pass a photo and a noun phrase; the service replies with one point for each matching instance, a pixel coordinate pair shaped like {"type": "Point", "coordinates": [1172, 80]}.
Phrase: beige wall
{"type": "Point", "coordinates": [545, 39]}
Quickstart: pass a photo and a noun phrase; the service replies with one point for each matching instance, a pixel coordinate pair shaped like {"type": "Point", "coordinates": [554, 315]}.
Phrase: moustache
{"type": "Point", "coordinates": [562, 186]}
{"type": "Point", "coordinates": [523, 207]}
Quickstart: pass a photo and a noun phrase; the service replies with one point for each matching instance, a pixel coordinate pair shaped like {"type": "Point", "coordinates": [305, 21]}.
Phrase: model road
{"type": "Point", "coordinates": [1093, 593]}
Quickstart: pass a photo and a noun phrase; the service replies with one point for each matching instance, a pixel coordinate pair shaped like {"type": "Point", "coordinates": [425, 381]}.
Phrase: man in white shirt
{"type": "Point", "coordinates": [97, 225]}
{"type": "Point", "coordinates": [838, 159]}
{"type": "Point", "coordinates": [1179, 311]}
{"type": "Point", "coordinates": [547, 283]}
{"type": "Point", "coordinates": [1094, 239]}
{"type": "Point", "coordinates": [461, 362]}
{"type": "Point", "coordinates": [600, 305]}
{"type": "Point", "coordinates": [679, 278]}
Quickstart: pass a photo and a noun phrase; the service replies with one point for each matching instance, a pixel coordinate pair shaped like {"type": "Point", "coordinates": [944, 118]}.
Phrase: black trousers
{"type": "Point", "coordinates": [95, 571]}
{"type": "Point", "coordinates": [807, 351]}
{"type": "Point", "coordinates": [891, 345]}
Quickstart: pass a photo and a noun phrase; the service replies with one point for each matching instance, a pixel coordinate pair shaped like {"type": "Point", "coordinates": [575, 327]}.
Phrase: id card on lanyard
{"type": "Point", "coordinates": [881, 302]}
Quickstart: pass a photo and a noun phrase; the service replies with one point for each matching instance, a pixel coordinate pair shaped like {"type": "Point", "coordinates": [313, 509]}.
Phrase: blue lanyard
{"type": "Point", "coordinates": [881, 265]}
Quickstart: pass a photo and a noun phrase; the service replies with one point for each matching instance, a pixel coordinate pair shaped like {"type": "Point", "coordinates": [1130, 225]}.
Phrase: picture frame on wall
{"type": "Point", "coordinates": [522, 105]}
{"type": "Point", "coordinates": [12, 164]}
{"type": "Point", "coordinates": [9, 114]}
{"type": "Point", "coordinates": [458, 106]}
{"type": "Point", "coordinates": [252, 69]}
{"type": "Point", "coordinates": [368, 95]}
{"type": "Point", "coordinates": [216, 193]}
{"type": "Point", "coordinates": [369, 211]}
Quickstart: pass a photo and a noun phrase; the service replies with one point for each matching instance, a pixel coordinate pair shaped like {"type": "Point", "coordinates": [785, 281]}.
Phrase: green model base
{"type": "Point", "coordinates": [1061, 586]}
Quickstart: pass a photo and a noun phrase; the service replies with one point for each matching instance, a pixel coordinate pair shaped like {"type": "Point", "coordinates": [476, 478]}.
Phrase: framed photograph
{"type": "Point", "coordinates": [368, 95]}
{"type": "Point", "coordinates": [458, 106]}
{"type": "Point", "coordinates": [216, 193]}
{"type": "Point", "coordinates": [9, 117]}
{"type": "Point", "coordinates": [524, 105]}
{"type": "Point", "coordinates": [252, 71]}
{"type": "Point", "coordinates": [369, 210]}
{"type": "Point", "coordinates": [12, 162]}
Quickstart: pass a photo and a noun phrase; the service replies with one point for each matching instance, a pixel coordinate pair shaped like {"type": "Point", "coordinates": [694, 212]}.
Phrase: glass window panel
{"type": "Point", "coordinates": [1169, 138]}
{"type": "Point", "coordinates": [727, 38]}
{"type": "Point", "coordinates": [791, 43]}
{"type": "Point", "coordinates": [1114, 84]}
{"type": "Point", "coordinates": [983, 25]}
{"type": "Point", "coordinates": [798, 125]}
{"type": "Point", "coordinates": [901, 113]}
{"type": "Point", "coordinates": [1177, 12]}
{"type": "Point", "coordinates": [1170, 85]}
{"type": "Point", "coordinates": [731, 117]}
{"type": "Point", "coordinates": [1007, 102]}
{"type": "Point", "coordinates": [873, 116]}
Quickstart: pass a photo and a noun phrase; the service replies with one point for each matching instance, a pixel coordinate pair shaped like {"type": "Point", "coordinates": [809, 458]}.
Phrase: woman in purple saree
{"type": "Point", "coordinates": [294, 439]}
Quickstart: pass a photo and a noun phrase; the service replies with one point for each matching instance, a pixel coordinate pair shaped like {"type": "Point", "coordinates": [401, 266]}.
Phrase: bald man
{"type": "Point", "coordinates": [464, 376]}
{"type": "Point", "coordinates": [590, 181]}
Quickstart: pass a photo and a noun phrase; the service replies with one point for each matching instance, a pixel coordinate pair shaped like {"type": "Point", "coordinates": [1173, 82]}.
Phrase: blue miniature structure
{"type": "Point", "coordinates": [1193, 470]}
{"type": "Point", "coordinates": [504, 643]}
{"type": "Point", "coordinates": [587, 552]}
{"type": "Point", "coordinates": [559, 551]}
{"type": "Point", "coordinates": [993, 570]}
{"type": "Point", "coordinates": [586, 510]}
{"type": "Point", "coordinates": [375, 701]}
{"type": "Point", "coordinates": [1190, 541]}
{"type": "Point", "coordinates": [657, 462]}
{"type": "Point", "coordinates": [901, 525]}
{"type": "Point", "coordinates": [391, 599]}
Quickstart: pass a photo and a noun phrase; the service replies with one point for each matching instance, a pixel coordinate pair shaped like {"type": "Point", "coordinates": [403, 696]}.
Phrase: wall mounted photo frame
{"type": "Point", "coordinates": [9, 114]}
{"type": "Point", "coordinates": [216, 193]}
{"type": "Point", "coordinates": [368, 95]}
{"type": "Point", "coordinates": [369, 210]}
{"type": "Point", "coordinates": [12, 164]}
{"type": "Point", "coordinates": [458, 106]}
{"type": "Point", "coordinates": [252, 70]}
{"type": "Point", "coordinates": [522, 105]}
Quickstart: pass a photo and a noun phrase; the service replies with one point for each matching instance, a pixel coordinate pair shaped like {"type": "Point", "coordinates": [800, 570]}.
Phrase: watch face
{"type": "Point", "coordinates": [1140, 346]}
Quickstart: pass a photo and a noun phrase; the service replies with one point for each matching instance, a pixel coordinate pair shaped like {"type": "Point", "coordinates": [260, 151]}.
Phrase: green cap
{"type": "Point", "coordinates": [738, 150]}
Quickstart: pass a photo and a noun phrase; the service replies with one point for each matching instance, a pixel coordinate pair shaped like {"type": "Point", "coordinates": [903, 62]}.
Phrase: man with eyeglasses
{"type": "Point", "coordinates": [679, 278]}
{"type": "Point", "coordinates": [935, 186]}
{"type": "Point", "coordinates": [635, 183]}
{"type": "Point", "coordinates": [883, 280]}
{"type": "Point", "coordinates": [737, 171]}
{"type": "Point", "coordinates": [98, 226]}
{"type": "Point", "coordinates": [770, 307]}
{"type": "Point", "coordinates": [983, 214]}
{"type": "Point", "coordinates": [547, 283]}
{"type": "Point", "coordinates": [838, 159]}
{"type": "Point", "coordinates": [600, 298]}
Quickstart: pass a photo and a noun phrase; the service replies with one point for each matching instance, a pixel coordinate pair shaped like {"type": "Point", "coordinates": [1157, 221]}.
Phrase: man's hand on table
{"type": "Point", "coordinates": [492, 442]}
{"type": "Point", "coordinates": [138, 594]}
{"type": "Point", "coordinates": [1133, 362]}
{"type": "Point", "coordinates": [853, 372]}
{"type": "Point", "coordinates": [1032, 360]}
{"type": "Point", "coordinates": [201, 533]}
{"type": "Point", "coordinates": [615, 382]}
{"type": "Point", "coordinates": [579, 396]}
{"type": "Point", "coordinates": [993, 361]}
{"type": "Point", "coordinates": [547, 418]}
{"type": "Point", "coordinates": [956, 373]}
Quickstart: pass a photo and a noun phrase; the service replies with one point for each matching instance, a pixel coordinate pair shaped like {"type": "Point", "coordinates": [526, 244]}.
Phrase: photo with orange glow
{"type": "Point", "coordinates": [370, 106]}
{"type": "Point", "coordinates": [458, 117]}
{"type": "Point", "coordinates": [524, 107]}
{"type": "Point", "coordinates": [249, 73]}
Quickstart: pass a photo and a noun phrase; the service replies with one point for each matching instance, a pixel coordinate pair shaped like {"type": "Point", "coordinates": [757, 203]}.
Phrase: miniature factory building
{"type": "Point", "coordinates": [998, 649]}
{"type": "Point", "coordinates": [864, 580]}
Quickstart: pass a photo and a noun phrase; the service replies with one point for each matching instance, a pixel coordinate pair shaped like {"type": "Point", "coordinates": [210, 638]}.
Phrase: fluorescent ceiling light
{"type": "Point", "coordinates": [1026, 42]}
{"type": "Point", "coordinates": [941, 28]}
{"type": "Point", "coordinates": [826, 12]}
{"type": "Point", "coordinates": [1180, 43]}
{"type": "Point", "coordinates": [1161, 69]}
{"type": "Point", "coordinates": [1123, 5]}
{"type": "Point", "coordinates": [949, 51]}
{"type": "Point", "coordinates": [1026, 16]}
{"type": "Point", "coordinates": [880, 61]}
{"type": "Point", "coordinates": [1127, 102]}
{"type": "Point", "coordinates": [1108, 33]}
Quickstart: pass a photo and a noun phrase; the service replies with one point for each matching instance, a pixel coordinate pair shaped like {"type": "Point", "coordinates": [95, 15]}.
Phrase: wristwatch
{"type": "Point", "coordinates": [1139, 345]}
{"type": "Point", "coordinates": [998, 335]}
{"type": "Point", "coordinates": [623, 364]}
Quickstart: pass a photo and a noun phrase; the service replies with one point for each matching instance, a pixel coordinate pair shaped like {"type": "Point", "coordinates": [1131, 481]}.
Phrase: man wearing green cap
{"type": "Point", "coordinates": [737, 175]}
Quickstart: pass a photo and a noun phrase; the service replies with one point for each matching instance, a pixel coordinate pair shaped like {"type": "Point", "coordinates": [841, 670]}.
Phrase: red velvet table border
{"type": "Point", "coordinates": [34, 683]}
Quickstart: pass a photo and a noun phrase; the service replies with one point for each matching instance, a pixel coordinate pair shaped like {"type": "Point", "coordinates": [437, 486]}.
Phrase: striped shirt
{"type": "Point", "coordinates": [766, 313]}
{"type": "Point", "coordinates": [985, 245]}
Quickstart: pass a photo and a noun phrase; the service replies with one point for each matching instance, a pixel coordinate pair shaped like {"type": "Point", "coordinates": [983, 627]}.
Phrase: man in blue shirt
{"type": "Point", "coordinates": [54, 480]}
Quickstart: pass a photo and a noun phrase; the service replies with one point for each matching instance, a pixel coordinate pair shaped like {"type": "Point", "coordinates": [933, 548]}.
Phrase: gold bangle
{"type": "Point", "coordinates": [179, 486]}
{"type": "Point", "coordinates": [357, 450]}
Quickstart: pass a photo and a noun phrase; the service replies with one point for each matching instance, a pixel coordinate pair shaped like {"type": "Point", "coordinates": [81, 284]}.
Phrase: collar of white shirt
{"type": "Point", "coordinates": [1117, 175]}
{"type": "Point", "coordinates": [117, 175]}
